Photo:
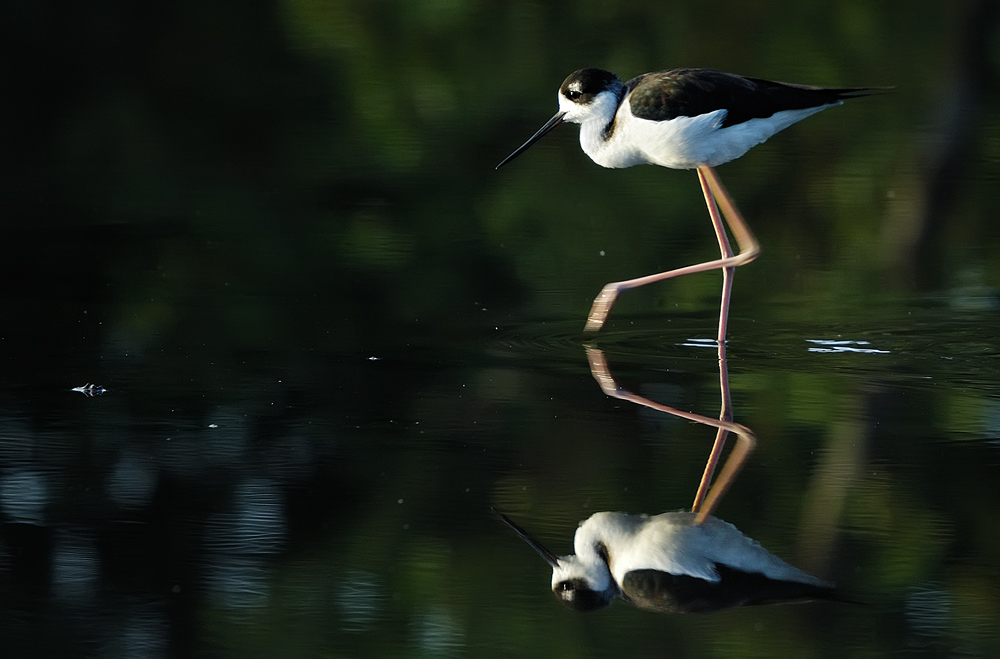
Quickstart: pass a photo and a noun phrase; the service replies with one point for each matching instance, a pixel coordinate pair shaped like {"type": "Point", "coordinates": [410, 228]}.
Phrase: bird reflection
{"type": "Point", "coordinates": [678, 562]}
{"type": "Point", "coordinates": [671, 563]}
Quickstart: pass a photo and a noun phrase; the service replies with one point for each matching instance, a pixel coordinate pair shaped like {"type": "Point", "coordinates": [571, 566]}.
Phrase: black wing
{"type": "Point", "coordinates": [663, 592]}
{"type": "Point", "coordinates": [691, 92]}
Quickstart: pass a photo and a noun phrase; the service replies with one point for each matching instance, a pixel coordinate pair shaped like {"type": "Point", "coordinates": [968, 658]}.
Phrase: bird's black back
{"type": "Point", "coordinates": [666, 95]}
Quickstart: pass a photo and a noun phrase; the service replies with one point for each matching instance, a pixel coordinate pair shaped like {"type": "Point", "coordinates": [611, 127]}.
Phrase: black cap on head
{"type": "Point", "coordinates": [583, 85]}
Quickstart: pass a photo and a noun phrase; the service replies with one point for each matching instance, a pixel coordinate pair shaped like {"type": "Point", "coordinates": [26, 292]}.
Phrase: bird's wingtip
{"type": "Point", "coordinates": [857, 92]}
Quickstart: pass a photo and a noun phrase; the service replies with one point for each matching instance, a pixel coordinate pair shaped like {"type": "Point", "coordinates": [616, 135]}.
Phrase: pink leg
{"type": "Point", "coordinates": [725, 413]}
{"type": "Point", "coordinates": [716, 197]}
{"type": "Point", "coordinates": [706, 502]}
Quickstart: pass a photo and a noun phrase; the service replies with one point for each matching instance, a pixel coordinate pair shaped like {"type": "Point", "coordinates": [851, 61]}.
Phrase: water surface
{"type": "Point", "coordinates": [332, 337]}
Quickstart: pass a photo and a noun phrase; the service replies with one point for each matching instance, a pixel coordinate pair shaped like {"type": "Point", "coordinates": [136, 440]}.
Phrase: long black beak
{"type": "Point", "coordinates": [549, 557]}
{"type": "Point", "coordinates": [549, 125]}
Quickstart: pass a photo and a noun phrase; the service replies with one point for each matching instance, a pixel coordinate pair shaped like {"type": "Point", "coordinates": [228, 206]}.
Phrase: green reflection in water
{"type": "Point", "coordinates": [249, 201]}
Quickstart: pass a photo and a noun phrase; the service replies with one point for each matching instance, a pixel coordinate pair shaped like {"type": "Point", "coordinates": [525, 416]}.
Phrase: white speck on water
{"type": "Point", "coordinates": [830, 345]}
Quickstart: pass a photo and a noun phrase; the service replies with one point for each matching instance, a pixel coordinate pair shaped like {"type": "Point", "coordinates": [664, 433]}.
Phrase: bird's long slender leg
{"type": "Point", "coordinates": [726, 251]}
{"type": "Point", "coordinates": [745, 439]}
{"type": "Point", "coordinates": [749, 249]}
{"type": "Point", "coordinates": [725, 412]}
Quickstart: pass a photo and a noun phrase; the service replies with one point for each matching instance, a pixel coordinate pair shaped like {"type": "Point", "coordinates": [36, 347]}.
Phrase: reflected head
{"type": "Point", "coordinates": [575, 594]}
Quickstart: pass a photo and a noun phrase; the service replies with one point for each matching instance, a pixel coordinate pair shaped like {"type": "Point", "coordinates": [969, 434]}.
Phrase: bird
{"type": "Point", "coordinates": [685, 118]}
{"type": "Point", "coordinates": [671, 563]}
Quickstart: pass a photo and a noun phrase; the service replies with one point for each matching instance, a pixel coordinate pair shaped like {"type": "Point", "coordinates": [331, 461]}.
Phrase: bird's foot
{"type": "Point", "coordinates": [601, 308]}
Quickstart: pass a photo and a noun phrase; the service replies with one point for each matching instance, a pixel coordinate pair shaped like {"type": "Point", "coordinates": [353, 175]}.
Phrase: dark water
{"type": "Point", "coordinates": [332, 337]}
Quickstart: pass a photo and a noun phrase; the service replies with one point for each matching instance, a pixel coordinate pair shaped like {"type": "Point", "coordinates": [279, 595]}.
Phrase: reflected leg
{"type": "Point", "coordinates": [745, 439]}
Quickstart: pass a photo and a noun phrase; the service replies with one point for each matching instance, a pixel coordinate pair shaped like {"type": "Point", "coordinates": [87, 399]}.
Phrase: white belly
{"type": "Point", "coordinates": [684, 142]}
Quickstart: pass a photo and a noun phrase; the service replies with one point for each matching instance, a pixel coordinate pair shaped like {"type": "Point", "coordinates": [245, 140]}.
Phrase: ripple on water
{"type": "Point", "coordinates": [656, 342]}
{"type": "Point", "coordinates": [915, 347]}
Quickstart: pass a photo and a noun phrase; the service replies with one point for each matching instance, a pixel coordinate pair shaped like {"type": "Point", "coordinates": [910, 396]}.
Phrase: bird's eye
{"type": "Point", "coordinates": [565, 586]}
{"type": "Point", "coordinates": [573, 95]}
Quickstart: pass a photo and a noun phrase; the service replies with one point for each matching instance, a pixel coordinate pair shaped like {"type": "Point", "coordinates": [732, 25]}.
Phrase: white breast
{"type": "Point", "coordinates": [682, 142]}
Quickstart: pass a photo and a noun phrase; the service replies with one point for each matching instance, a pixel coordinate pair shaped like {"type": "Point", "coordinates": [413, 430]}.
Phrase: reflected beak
{"type": "Point", "coordinates": [549, 557]}
{"type": "Point", "coordinates": [549, 125]}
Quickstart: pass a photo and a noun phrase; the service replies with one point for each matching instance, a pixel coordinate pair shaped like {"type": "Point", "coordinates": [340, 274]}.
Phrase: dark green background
{"type": "Point", "coordinates": [333, 336]}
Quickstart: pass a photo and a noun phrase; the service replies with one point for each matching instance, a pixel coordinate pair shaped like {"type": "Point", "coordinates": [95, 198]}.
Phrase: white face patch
{"type": "Point", "coordinates": [602, 107]}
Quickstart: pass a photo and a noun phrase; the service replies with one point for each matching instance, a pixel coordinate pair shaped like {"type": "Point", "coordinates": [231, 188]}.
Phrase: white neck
{"type": "Point", "coordinates": [595, 140]}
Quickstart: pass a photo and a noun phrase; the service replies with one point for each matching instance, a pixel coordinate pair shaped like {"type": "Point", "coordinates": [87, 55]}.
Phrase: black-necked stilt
{"type": "Point", "coordinates": [684, 119]}
{"type": "Point", "coordinates": [671, 563]}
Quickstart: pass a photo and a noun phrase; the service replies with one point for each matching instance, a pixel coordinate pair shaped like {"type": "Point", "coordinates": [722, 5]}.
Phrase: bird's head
{"type": "Point", "coordinates": [583, 586]}
{"type": "Point", "coordinates": [587, 94]}
{"type": "Point", "coordinates": [580, 585]}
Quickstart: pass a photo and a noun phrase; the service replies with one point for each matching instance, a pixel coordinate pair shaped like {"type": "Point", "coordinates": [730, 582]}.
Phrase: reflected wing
{"type": "Point", "coordinates": [663, 592]}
